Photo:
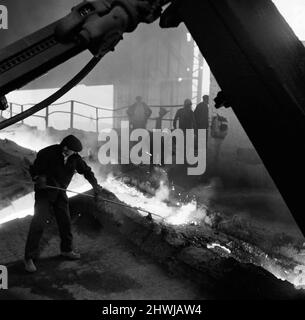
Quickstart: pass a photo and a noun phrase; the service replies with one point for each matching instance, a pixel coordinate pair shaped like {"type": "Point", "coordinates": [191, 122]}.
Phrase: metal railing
{"type": "Point", "coordinates": [72, 113]}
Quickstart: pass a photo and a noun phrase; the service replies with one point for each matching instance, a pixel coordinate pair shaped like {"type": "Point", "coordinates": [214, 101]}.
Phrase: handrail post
{"type": "Point", "coordinates": [47, 117]}
{"type": "Point", "coordinates": [72, 114]}
{"type": "Point", "coordinates": [11, 109]}
{"type": "Point", "coordinates": [22, 109]}
{"type": "Point", "coordinates": [97, 119]}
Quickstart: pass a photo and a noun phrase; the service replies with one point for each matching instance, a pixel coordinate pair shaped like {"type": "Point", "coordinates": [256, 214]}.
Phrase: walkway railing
{"type": "Point", "coordinates": [11, 111]}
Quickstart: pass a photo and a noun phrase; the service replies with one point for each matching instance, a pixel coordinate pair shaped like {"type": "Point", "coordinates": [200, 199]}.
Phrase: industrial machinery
{"type": "Point", "coordinates": [256, 58]}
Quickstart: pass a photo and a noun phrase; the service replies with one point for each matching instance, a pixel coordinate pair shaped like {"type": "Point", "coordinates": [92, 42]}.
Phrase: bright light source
{"type": "Point", "coordinates": [189, 37]}
{"type": "Point", "coordinates": [180, 79]}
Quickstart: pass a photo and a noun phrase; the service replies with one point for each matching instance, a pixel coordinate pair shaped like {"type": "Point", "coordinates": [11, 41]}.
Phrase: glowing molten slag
{"type": "Point", "coordinates": [24, 206]}
{"type": "Point", "coordinates": [185, 214]}
{"type": "Point", "coordinates": [296, 276]}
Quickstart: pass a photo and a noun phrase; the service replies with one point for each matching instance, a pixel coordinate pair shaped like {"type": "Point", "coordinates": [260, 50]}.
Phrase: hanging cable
{"type": "Point", "coordinates": [54, 97]}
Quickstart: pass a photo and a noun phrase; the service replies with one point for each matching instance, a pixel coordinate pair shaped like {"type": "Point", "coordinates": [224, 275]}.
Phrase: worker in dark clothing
{"type": "Point", "coordinates": [55, 166]}
{"type": "Point", "coordinates": [138, 114]}
{"type": "Point", "coordinates": [186, 119]}
{"type": "Point", "coordinates": [202, 115]}
{"type": "Point", "coordinates": [185, 116]}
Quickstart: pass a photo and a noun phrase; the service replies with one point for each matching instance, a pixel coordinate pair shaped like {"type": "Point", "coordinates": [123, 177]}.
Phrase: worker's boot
{"type": "Point", "coordinates": [30, 266]}
{"type": "Point", "coordinates": [71, 255]}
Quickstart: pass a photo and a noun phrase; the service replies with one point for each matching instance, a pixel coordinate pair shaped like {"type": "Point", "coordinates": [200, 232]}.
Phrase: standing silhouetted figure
{"type": "Point", "coordinates": [185, 116]}
{"type": "Point", "coordinates": [138, 114]}
{"type": "Point", "coordinates": [202, 113]}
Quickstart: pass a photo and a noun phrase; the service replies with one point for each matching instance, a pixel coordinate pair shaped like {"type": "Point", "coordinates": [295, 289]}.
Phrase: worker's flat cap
{"type": "Point", "coordinates": [72, 143]}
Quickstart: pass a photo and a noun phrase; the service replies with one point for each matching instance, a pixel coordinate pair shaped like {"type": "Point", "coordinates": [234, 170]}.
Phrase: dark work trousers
{"type": "Point", "coordinates": [44, 209]}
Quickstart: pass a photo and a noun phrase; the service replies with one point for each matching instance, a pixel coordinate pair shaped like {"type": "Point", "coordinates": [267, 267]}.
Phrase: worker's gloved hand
{"type": "Point", "coordinates": [97, 190]}
{"type": "Point", "coordinates": [41, 182]}
{"type": "Point", "coordinates": [100, 191]}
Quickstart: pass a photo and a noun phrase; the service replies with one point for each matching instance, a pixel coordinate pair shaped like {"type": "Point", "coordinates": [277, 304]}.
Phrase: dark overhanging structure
{"type": "Point", "coordinates": [259, 64]}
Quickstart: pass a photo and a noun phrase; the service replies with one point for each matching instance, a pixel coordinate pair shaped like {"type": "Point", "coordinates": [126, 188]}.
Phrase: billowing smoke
{"type": "Point", "coordinates": [28, 137]}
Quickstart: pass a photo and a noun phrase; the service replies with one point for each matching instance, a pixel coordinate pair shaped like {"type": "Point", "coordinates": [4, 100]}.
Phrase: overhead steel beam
{"type": "Point", "coordinates": [260, 65]}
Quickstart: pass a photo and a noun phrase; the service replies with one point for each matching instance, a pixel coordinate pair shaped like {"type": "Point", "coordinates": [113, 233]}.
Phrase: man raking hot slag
{"type": "Point", "coordinates": [55, 166]}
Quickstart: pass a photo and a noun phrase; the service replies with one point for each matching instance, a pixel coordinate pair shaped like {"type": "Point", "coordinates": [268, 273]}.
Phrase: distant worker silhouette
{"type": "Point", "coordinates": [185, 116]}
{"type": "Point", "coordinates": [202, 113]}
{"type": "Point", "coordinates": [138, 114]}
